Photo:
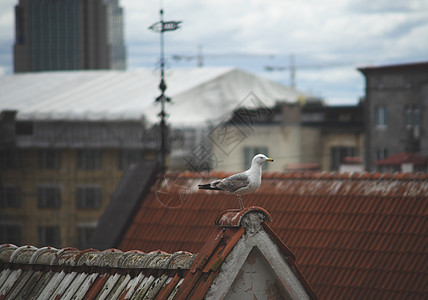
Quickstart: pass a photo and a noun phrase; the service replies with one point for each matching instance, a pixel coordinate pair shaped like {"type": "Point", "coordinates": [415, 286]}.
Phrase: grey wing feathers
{"type": "Point", "coordinates": [233, 183]}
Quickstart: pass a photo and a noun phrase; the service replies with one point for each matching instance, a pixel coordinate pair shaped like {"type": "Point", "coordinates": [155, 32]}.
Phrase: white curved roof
{"type": "Point", "coordinates": [198, 94]}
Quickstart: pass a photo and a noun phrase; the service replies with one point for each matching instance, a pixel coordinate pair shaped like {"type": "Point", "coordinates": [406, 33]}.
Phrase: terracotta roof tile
{"type": "Point", "coordinates": [402, 157]}
{"type": "Point", "coordinates": [352, 234]}
{"type": "Point", "coordinates": [233, 217]}
{"type": "Point", "coordinates": [28, 272]}
{"type": "Point", "coordinates": [212, 254]}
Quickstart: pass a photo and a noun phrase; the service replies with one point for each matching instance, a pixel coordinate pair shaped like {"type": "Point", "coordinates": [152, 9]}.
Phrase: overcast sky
{"type": "Point", "coordinates": [329, 39]}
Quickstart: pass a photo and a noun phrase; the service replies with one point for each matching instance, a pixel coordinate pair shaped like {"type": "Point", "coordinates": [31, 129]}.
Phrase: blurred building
{"type": "Point", "coordinates": [396, 104]}
{"type": "Point", "coordinates": [339, 131]}
{"type": "Point", "coordinates": [404, 162]}
{"type": "Point", "coordinates": [67, 137]}
{"type": "Point", "coordinates": [68, 35]}
{"type": "Point", "coordinates": [308, 137]}
{"type": "Point", "coordinates": [57, 176]}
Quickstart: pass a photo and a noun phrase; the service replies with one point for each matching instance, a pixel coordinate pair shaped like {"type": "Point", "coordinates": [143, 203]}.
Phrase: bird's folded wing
{"type": "Point", "coordinates": [233, 183]}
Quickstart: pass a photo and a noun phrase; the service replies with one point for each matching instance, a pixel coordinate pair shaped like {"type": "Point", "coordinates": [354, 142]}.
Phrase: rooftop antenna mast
{"type": "Point", "coordinates": [161, 27]}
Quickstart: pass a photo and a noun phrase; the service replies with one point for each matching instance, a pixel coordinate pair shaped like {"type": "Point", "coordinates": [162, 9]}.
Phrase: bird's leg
{"type": "Point", "coordinates": [241, 204]}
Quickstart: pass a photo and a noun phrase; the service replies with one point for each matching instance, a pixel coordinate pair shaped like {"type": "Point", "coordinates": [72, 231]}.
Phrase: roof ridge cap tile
{"type": "Point", "coordinates": [44, 255]}
{"type": "Point", "coordinates": [355, 175]}
{"type": "Point", "coordinates": [22, 252]}
{"type": "Point", "coordinates": [305, 175]}
{"type": "Point", "coordinates": [154, 260]}
{"type": "Point", "coordinates": [110, 258]}
{"type": "Point", "coordinates": [325, 175]}
{"type": "Point", "coordinates": [138, 260]}
{"type": "Point", "coordinates": [233, 217]}
{"type": "Point", "coordinates": [106, 258]}
{"type": "Point", "coordinates": [85, 257]}
{"type": "Point", "coordinates": [63, 254]}
{"type": "Point", "coordinates": [376, 175]}
{"type": "Point", "coordinates": [125, 256]}
{"type": "Point", "coordinates": [6, 251]}
{"type": "Point", "coordinates": [159, 261]}
{"type": "Point", "coordinates": [176, 263]}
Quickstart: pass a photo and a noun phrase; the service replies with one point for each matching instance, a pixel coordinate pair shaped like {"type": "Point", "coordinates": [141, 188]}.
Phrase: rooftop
{"type": "Point", "coordinates": [402, 158]}
{"type": "Point", "coordinates": [127, 95]}
{"type": "Point", "coordinates": [354, 236]}
{"type": "Point", "coordinates": [242, 258]}
{"type": "Point", "coordinates": [48, 273]}
{"type": "Point", "coordinates": [397, 67]}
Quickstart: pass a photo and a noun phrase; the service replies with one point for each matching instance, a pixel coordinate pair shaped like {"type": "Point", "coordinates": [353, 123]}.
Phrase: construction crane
{"type": "Point", "coordinates": [200, 56]}
{"type": "Point", "coordinates": [292, 67]}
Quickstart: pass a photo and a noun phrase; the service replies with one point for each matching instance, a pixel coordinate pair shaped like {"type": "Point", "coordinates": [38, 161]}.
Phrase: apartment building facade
{"type": "Point", "coordinates": [299, 137]}
{"type": "Point", "coordinates": [396, 104]}
{"type": "Point", "coordinates": [57, 177]}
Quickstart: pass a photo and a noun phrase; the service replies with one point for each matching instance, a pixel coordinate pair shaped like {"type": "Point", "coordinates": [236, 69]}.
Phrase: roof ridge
{"type": "Point", "coordinates": [233, 217]}
{"type": "Point", "coordinates": [111, 258]}
{"type": "Point", "coordinates": [325, 175]}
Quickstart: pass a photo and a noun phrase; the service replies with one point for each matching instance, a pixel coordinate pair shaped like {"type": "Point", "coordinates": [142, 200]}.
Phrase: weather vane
{"type": "Point", "coordinates": [161, 27]}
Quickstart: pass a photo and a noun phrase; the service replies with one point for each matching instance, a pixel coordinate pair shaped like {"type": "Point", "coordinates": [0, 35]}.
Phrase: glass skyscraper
{"type": "Point", "coordinates": [68, 35]}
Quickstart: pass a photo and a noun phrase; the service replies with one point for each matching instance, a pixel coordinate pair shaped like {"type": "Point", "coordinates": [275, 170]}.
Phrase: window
{"type": "Point", "coordinates": [89, 159]}
{"type": "Point", "coordinates": [381, 153]}
{"type": "Point", "coordinates": [49, 236]}
{"type": "Point", "coordinates": [413, 115]}
{"type": "Point", "coordinates": [416, 115]}
{"type": "Point", "coordinates": [250, 152]}
{"type": "Point", "coordinates": [10, 233]}
{"type": "Point", "coordinates": [24, 128]}
{"type": "Point", "coordinates": [381, 116]}
{"type": "Point", "coordinates": [380, 82]}
{"type": "Point", "coordinates": [10, 196]}
{"type": "Point", "coordinates": [313, 117]}
{"type": "Point", "coordinates": [337, 154]}
{"type": "Point", "coordinates": [10, 159]}
{"type": "Point", "coordinates": [408, 81]}
{"type": "Point", "coordinates": [88, 197]}
{"type": "Point", "coordinates": [128, 157]}
{"type": "Point", "coordinates": [49, 159]}
{"type": "Point", "coordinates": [409, 116]}
{"type": "Point", "coordinates": [84, 234]}
{"type": "Point", "coordinates": [344, 117]}
{"type": "Point", "coordinates": [49, 196]}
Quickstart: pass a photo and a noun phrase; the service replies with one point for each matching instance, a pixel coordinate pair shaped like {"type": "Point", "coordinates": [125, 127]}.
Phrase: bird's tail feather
{"type": "Point", "coordinates": [207, 187]}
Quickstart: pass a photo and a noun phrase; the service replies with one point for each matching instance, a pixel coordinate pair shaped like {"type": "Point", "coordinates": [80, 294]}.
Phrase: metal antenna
{"type": "Point", "coordinates": [161, 27]}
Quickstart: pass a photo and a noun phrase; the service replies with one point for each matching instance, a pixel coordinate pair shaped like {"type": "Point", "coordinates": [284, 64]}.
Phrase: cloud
{"type": "Point", "coordinates": [404, 28]}
{"type": "Point", "coordinates": [386, 6]}
{"type": "Point", "coordinates": [328, 33]}
{"type": "Point", "coordinates": [6, 35]}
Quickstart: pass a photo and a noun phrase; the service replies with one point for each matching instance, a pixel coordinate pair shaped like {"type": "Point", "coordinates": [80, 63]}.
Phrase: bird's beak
{"type": "Point", "coordinates": [270, 159]}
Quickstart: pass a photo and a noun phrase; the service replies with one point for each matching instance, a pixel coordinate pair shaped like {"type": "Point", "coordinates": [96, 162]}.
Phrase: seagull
{"type": "Point", "coordinates": [241, 183]}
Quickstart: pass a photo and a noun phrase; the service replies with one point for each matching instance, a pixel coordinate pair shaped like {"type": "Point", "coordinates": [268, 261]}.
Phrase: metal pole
{"type": "Point", "coordinates": [162, 87]}
{"type": "Point", "coordinates": [164, 26]}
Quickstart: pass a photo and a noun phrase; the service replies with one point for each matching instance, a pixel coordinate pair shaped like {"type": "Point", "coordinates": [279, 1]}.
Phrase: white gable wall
{"type": "Point", "coordinates": [256, 280]}
{"type": "Point", "coordinates": [228, 280]}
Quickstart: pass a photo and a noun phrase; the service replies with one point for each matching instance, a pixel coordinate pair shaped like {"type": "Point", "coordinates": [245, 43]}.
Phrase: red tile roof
{"type": "Point", "coordinates": [353, 160]}
{"type": "Point", "coordinates": [47, 273]}
{"type": "Point", "coordinates": [402, 157]}
{"type": "Point", "coordinates": [229, 230]}
{"type": "Point", "coordinates": [302, 167]}
{"type": "Point", "coordinates": [355, 236]}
